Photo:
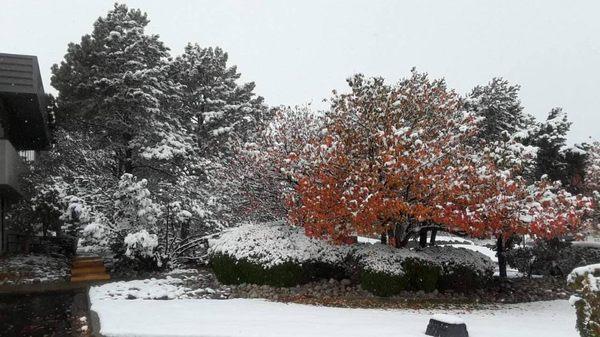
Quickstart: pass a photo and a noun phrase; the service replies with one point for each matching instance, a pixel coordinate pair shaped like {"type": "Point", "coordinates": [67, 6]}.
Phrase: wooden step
{"type": "Point", "coordinates": [87, 263]}
{"type": "Point", "coordinates": [90, 277]}
{"type": "Point", "coordinates": [88, 270]}
{"type": "Point", "coordinates": [87, 258]}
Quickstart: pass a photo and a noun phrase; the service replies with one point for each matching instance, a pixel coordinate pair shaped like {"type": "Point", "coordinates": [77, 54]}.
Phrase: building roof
{"type": "Point", "coordinates": [24, 100]}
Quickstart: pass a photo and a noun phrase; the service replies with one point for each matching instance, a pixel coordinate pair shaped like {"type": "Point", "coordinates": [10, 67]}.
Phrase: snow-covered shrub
{"type": "Point", "coordinates": [232, 271]}
{"type": "Point", "coordinates": [95, 234]}
{"type": "Point", "coordinates": [133, 206]}
{"type": "Point", "coordinates": [274, 243]}
{"type": "Point", "coordinates": [386, 271]}
{"type": "Point", "coordinates": [282, 255]}
{"type": "Point", "coordinates": [586, 282]}
{"type": "Point", "coordinates": [273, 253]}
{"type": "Point", "coordinates": [462, 269]}
{"type": "Point", "coordinates": [552, 258]}
{"type": "Point", "coordinates": [142, 246]}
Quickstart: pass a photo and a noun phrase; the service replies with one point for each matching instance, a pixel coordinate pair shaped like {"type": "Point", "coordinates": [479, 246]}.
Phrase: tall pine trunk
{"type": "Point", "coordinates": [128, 160]}
{"type": "Point", "coordinates": [124, 156]}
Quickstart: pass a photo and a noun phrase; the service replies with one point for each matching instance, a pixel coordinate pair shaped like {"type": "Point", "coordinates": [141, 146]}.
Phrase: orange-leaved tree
{"type": "Point", "coordinates": [392, 161]}
{"type": "Point", "coordinates": [397, 160]}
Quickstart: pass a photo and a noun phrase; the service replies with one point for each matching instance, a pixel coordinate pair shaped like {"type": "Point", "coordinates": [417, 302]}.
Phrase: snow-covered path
{"type": "Point", "coordinates": [259, 318]}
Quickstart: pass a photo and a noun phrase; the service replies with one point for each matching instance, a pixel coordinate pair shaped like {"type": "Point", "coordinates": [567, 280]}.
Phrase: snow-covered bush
{"type": "Point", "coordinates": [586, 282]}
{"type": "Point", "coordinates": [386, 271]}
{"type": "Point", "coordinates": [95, 234]}
{"type": "Point", "coordinates": [142, 246]}
{"type": "Point", "coordinates": [274, 254]}
{"type": "Point", "coordinates": [552, 258]}
{"type": "Point", "coordinates": [274, 243]}
{"type": "Point", "coordinates": [134, 207]}
{"type": "Point", "coordinates": [278, 254]}
{"type": "Point", "coordinates": [462, 269]}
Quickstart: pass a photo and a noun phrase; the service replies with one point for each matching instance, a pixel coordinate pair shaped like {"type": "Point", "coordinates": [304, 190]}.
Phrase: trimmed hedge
{"type": "Point", "coordinates": [418, 274]}
{"type": "Point", "coordinates": [462, 269]}
{"type": "Point", "coordinates": [231, 271]}
{"type": "Point", "coordinates": [551, 258]}
{"type": "Point", "coordinates": [428, 274]}
{"type": "Point", "coordinates": [382, 284]}
{"type": "Point", "coordinates": [282, 256]}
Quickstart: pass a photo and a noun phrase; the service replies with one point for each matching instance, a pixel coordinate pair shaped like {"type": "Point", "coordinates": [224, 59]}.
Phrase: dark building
{"type": "Point", "coordinates": [23, 125]}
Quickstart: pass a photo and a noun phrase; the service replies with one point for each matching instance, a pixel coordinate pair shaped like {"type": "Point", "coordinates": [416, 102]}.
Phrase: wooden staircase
{"type": "Point", "coordinates": [88, 269]}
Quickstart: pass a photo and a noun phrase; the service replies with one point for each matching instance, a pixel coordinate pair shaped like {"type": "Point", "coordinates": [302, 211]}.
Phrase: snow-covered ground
{"type": "Point", "coordinates": [178, 284]}
{"type": "Point", "coordinates": [260, 318]}
{"type": "Point", "coordinates": [33, 268]}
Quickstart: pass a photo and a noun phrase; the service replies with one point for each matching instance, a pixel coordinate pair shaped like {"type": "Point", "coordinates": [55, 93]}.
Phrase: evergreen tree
{"type": "Point", "coordinates": [172, 124]}
{"type": "Point", "coordinates": [114, 83]}
{"type": "Point", "coordinates": [498, 106]}
{"type": "Point", "coordinates": [550, 140]}
{"type": "Point", "coordinates": [222, 109]}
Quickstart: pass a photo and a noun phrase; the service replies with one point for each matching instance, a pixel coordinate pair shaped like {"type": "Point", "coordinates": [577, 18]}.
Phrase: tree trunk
{"type": "Point", "coordinates": [128, 154]}
{"type": "Point", "coordinates": [433, 235]}
{"type": "Point", "coordinates": [167, 233]}
{"type": "Point", "coordinates": [185, 229]}
{"type": "Point", "coordinates": [390, 237]}
{"type": "Point", "coordinates": [423, 238]}
{"type": "Point", "coordinates": [398, 235]}
{"type": "Point", "coordinates": [501, 252]}
{"type": "Point", "coordinates": [383, 238]}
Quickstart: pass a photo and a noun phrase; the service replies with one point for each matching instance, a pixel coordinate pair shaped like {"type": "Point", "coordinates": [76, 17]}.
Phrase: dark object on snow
{"type": "Point", "coordinates": [439, 328]}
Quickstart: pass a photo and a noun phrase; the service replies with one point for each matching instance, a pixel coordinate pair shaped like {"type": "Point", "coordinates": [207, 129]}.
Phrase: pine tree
{"type": "Point", "coordinates": [499, 107]}
{"type": "Point", "coordinates": [503, 126]}
{"type": "Point", "coordinates": [221, 108]}
{"type": "Point", "coordinates": [551, 139]}
{"type": "Point", "coordinates": [114, 83]}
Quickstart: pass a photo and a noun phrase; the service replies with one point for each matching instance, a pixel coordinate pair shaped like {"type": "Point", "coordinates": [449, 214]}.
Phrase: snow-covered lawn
{"type": "Point", "coordinates": [168, 288]}
{"type": "Point", "coordinates": [33, 268]}
{"type": "Point", "coordinates": [260, 318]}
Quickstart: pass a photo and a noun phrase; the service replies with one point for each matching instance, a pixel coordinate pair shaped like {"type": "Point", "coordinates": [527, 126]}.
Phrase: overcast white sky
{"type": "Point", "coordinates": [298, 51]}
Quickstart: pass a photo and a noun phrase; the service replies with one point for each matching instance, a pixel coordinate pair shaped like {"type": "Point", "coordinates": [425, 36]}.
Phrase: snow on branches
{"type": "Point", "coordinates": [404, 157]}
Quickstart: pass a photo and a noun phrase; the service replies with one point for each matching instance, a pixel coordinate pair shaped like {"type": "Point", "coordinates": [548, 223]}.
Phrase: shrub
{"type": "Point", "coordinates": [552, 258]}
{"type": "Point", "coordinates": [387, 271]}
{"type": "Point", "coordinates": [232, 271]}
{"type": "Point", "coordinates": [462, 269]}
{"type": "Point", "coordinates": [586, 282]}
{"type": "Point", "coordinates": [273, 254]}
{"type": "Point", "coordinates": [382, 284]}
{"type": "Point", "coordinates": [137, 251]}
{"type": "Point", "coordinates": [280, 255]}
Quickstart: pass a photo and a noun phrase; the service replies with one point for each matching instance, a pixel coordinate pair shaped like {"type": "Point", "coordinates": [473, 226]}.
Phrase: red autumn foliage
{"type": "Point", "coordinates": [400, 158]}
